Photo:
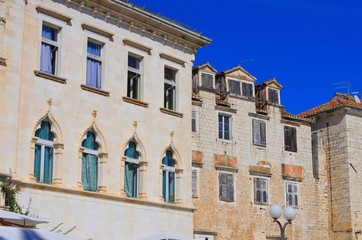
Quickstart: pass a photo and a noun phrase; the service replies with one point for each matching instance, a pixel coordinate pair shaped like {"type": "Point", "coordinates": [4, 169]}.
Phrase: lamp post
{"type": "Point", "coordinates": [289, 213]}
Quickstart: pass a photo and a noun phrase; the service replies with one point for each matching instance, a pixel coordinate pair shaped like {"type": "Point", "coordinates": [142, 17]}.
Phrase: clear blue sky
{"type": "Point", "coordinates": [307, 45]}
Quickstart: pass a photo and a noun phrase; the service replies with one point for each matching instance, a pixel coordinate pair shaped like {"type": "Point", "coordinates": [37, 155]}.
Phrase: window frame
{"type": "Point", "coordinates": [139, 72]}
{"type": "Point", "coordinates": [287, 203]}
{"type": "Point", "coordinates": [169, 169]}
{"type": "Point", "coordinates": [99, 59]}
{"type": "Point", "coordinates": [54, 44]}
{"type": "Point", "coordinates": [223, 126]}
{"type": "Point", "coordinates": [137, 162]}
{"type": "Point", "coordinates": [230, 184]}
{"type": "Point", "coordinates": [195, 175]}
{"type": "Point", "coordinates": [290, 134]}
{"type": "Point", "coordinates": [212, 80]}
{"type": "Point", "coordinates": [91, 152]}
{"type": "Point", "coordinates": [173, 84]}
{"type": "Point", "coordinates": [244, 91]}
{"type": "Point", "coordinates": [229, 89]}
{"type": "Point", "coordinates": [43, 143]}
{"type": "Point", "coordinates": [272, 101]}
{"type": "Point", "coordinates": [261, 202]}
{"type": "Point", "coordinates": [195, 120]}
{"type": "Point", "coordinates": [262, 133]}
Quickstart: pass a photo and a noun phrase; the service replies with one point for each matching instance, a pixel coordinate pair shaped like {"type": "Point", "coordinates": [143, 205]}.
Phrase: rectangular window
{"type": "Point", "coordinates": [290, 139]}
{"type": "Point", "coordinates": [247, 89]}
{"type": "Point", "coordinates": [291, 194]}
{"type": "Point", "coordinates": [94, 64]}
{"type": "Point", "coordinates": [224, 127]}
{"type": "Point", "coordinates": [207, 80]}
{"type": "Point", "coordinates": [226, 187]}
{"type": "Point", "coordinates": [195, 120]}
{"type": "Point", "coordinates": [259, 133]}
{"type": "Point", "coordinates": [133, 77]}
{"type": "Point", "coordinates": [273, 96]}
{"type": "Point", "coordinates": [170, 88]}
{"type": "Point", "coordinates": [195, 184]}
{"type": "Point", "coordinates": [315, 152]}
{"type": "Point", "coordinates": [260, 191]}
{"type": "Point", "coordinates": [234, 87]}
{"type": "Point", "coordinates": [49, 50]}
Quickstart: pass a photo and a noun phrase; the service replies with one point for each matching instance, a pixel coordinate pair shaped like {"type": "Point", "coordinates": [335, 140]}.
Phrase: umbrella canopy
{"type": "Point", "coordinates": [165, 236]}
{"type": "Point", "coordinates": [10, 218]}
{"type": "Point", "coordinates": [15, 233]}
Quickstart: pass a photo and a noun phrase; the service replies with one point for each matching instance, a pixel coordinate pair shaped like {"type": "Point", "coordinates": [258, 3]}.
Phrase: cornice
{"type": "Point", "coordinates": [144, 22]}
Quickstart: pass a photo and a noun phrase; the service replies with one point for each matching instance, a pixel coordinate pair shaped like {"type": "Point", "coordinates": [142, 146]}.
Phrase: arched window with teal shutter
{"type": "Point", "coordinates": [44, 152]}
{"type": "Point", "coordinates": [131, 173]}
{"type": "Point", "coordinates": [90, 163]}
{"type": "Point", "coordinates": [168, 177]}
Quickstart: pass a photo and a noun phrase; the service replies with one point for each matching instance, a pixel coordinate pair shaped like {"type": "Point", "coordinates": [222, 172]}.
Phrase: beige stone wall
{"type": "Point", "coordinates": [27, 97]}
{"type": "Point", "coordinates": [340, 151]}
{"type": "Point", "coordinates": [243, 219]}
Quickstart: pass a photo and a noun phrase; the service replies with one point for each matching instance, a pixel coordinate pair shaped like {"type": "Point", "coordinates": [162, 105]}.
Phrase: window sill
{"type": "Point", "coordinates": [171, 112]}
{"type": "Point", "coordinates": [135, 102]}
{"type": "Point", "coordinates": [94, 90]}
{"type": "Point", "coordinates": [50, 77]}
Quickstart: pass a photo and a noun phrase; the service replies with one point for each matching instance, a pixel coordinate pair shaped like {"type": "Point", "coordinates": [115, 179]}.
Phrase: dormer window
{"type": "Point", "coordinates": [244, 89]}
{"type": "Point", "coordinates": [273, 96]}
{"type": "Point", "coordinates": [207, 80]}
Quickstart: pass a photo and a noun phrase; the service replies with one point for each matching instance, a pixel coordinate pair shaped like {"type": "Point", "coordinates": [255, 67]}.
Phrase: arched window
{"type": "Point", "coordinates": [168, 178]}
{"type": "Point", "coordinates": [90, 163]}
{"type": "Point", "coordinates": [44, 152]}
{"type": "Point", "coordinates": [131, 173]}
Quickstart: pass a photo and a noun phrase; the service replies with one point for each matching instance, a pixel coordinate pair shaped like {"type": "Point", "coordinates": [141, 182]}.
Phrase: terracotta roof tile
{"type": "Point", "coordinates": [339, 100]}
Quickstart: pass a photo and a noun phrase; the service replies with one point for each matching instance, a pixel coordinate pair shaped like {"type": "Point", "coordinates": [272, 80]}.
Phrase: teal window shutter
{"type": "Point", "coordinates": [131, 170]}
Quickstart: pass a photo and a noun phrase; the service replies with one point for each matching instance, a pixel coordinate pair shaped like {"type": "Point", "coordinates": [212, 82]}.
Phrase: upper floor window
{"type": "Point", "coordinates": [44, 152]}
{"type": "Point", "coordinates": [247, 89]}
{"type": "Point", "coordinates": [273, 96]}
{"type": "Point", "coordinates": [131, 174]}
{"type": "Point", "coordinates": [224, 126]}
{"type": "Point", "coordinates": [94, 64]}
{"type": "Point", "coordinates": [226, 187]}
{"type": "Point", "coordinates": [195, 183]}
{"type": "Point", "coordinates": [168, 178]}
{"type": "Point", "coordinates": [290, 139]}
{"type": "Point", "coordinates": [49, 49]}
{"type": "Point", "coordinates": [291, 194]}
{"type": "Point", "coordinates": [234, 87]}
{"type": "Point", "coordinates": [240, 88]}
{"type": "Point", "coordinates": [170, 88]}
{"type": "Point", "coordinates": [207, 80]}
{"type": "Point", "coordinates": [260, 190]}
{"type": "Point", "coordinates": [259, 133]}
{"type": "Point", "coordinates": [195, 120]}
{"type": "Point", "coordinates": [134, 77]}
{"type": "Point", "coordinates": [90, 163]}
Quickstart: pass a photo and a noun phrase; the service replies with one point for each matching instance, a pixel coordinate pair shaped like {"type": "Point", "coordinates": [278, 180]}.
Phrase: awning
{"type": "Point", "coordinates": [165, 236]}
{"type": "Point", "coordinates": [16, 233]}
{"type": "Point", "coordinates": [15, 219]}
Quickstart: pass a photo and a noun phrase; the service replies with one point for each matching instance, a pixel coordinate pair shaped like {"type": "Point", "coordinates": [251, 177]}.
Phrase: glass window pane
{"type": "Point", "coordinates": [133, 62]}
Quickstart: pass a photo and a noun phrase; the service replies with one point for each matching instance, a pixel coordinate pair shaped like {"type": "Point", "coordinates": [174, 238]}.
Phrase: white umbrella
{"type": "Point", "coordinates": [16, 233]}
{"type": "Point", "coordinates": [165, 236]}
{"type": "Point", "coordinates": [10, 218]}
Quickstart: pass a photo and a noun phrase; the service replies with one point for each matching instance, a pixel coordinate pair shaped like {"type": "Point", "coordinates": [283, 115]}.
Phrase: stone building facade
{"type": "Point", "coordinates": [337, 146]}
{"type": "Point", "coordinates": [94, 103]}
{"type": "Point", "coordinates": [249, 153]}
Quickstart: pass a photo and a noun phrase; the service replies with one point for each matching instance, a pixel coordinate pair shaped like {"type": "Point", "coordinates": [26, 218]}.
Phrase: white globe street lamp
{"type": "Point", "coordinates": [289, 213]}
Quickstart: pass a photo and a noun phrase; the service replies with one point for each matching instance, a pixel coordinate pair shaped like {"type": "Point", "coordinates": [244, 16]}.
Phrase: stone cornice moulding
{"type": "Point", "coordinates": [136, 18]}
{"type": "Point", "coordinates": [172, 59]}
{"type": "Point", "coordinates": [137, 45]}
{"type": "Point", "coordinates": [52, 13]}
{"type": "Point", "coordinates": [100, 195]}
{"type": "Point", "coordinates": [98, 31]}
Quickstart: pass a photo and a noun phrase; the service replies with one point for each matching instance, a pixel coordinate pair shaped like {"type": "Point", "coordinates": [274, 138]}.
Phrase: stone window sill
{"type": "Point", "coordinates": [171, 112]}
{"type": "Point", "coordinates": [135, 102]}
{"type": "Point", "coordinates": [50, 77]}
{"type": "Point", "coordinates": [94, 90]}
